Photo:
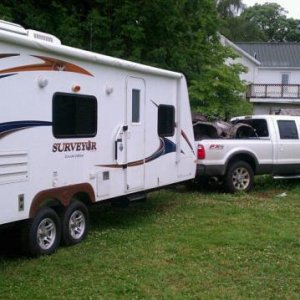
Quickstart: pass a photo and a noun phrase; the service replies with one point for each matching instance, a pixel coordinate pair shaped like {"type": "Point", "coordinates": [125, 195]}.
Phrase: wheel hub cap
{"type": "Point", "coordinates": [46, 233]}
{"type": "Point", "coordinates": [77, 224]}
{"type": "Point", "coordinates": [241, 179]}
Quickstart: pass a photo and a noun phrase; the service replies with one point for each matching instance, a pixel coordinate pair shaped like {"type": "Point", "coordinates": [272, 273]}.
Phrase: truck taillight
{"type": "Point", "coordinates": [201, 152]}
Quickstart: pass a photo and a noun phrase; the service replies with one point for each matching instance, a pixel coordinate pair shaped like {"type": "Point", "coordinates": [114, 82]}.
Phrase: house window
{"type": "Point", "coordinates": [74, 116]}
{"type": "Point", "coordinates": [285, 78]}
{"type": "Point", "coordinates": [136, 96]}
{"type": "Point", "coordinates": [287, 130]}
{"type": "Point", "coordinates": [166, 120]}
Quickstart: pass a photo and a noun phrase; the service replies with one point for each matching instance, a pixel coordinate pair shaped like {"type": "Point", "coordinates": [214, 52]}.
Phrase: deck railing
{"type": "Point", "coordinates": [282, 91]}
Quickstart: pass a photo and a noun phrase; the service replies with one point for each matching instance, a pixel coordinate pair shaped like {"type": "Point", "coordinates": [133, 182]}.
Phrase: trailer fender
{"type": "Point", "coordinates": [63, 195]}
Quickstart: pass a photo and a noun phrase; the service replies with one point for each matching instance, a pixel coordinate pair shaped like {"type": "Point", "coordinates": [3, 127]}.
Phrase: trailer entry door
{"type": "Point", "coordinates": [135, 134]}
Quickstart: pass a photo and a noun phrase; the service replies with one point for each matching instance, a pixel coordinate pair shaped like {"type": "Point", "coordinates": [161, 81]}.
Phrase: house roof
{"type": "Point", "coordinates": [274, 55]}
{"type": "Point", "coordinates": [227, 42]}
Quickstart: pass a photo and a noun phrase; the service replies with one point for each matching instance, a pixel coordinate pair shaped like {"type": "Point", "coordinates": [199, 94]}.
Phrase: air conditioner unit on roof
{"type": "Point", "coordinates": [41, 36]}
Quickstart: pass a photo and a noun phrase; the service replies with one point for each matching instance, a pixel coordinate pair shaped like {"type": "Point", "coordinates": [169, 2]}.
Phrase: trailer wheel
{"type": "Point", "coordinates": [75, 223]}
{"type": "Point", "coordinates": [239, 177]}
{"type": "Point", "coordinates": [44, 233]}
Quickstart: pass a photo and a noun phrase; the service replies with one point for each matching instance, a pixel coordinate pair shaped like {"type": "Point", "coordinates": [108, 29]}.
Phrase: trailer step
{"type": "Point", "coordinates": [124, 202]}
{"type": "Point", "coordinates": [136, 197]}
{"type": "Point", "coordinates": [287, 177]}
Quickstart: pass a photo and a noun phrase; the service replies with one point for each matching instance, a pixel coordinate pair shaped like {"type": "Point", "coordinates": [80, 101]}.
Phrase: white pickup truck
{"type": "Point", "coordinates": [269, 145]}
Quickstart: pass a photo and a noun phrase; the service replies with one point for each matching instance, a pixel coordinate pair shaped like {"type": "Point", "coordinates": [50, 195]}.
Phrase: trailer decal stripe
{"type": "Point", "coordinates": [7, 75]}
{"type": "Point", "coordinates": [4, 55]}
{"type": "Point", "coordinates": [166, 146]}
{"type": "Point", "coordinates": [49, 64]}
{"type": "Point", "coordinates": [187, 140]}
{"type": "Point", "coordinates": [10, 127]}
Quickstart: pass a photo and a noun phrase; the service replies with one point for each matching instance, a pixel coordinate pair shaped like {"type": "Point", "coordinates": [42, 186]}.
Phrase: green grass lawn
{"type": "Point", "coordinates": [180, 244]}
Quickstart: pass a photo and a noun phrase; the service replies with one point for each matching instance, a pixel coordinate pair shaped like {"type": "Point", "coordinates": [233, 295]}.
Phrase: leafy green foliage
{"type": "Point", "coordinates": [267, 23]}
{"type": "Point", "coordinates": [239, 29]}
{"type": "Point", "coordinates": [220, 81]}
{"type": "Point", "coordinates": [272, 21]}
{"type": "Point", "coordinates": [229, 8]}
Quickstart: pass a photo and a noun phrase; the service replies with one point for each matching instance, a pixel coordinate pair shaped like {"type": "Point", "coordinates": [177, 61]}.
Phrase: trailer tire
{"type": "Point", "coordinates": [44, 233]}
{"type": "Point", "coordinates": [239, 177]}
{"type": "Point", "coordinates": [75, 223]}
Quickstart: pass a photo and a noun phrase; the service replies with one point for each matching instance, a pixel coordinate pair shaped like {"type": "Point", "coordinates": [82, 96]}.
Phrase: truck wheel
{"type": "Point", "coordinates": [75, 223]}
{"type": "Point", "coordinates": [239, 177]}
{"type": "Point", "coordinates": [44, 233]}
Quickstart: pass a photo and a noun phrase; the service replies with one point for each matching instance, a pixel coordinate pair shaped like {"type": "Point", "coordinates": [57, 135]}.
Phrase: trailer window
{"type": "Point", "coordinates": [74, 116]}
{"type": "Point", "coordinates": [166, 120]}
{"type": "Point", "coordinates": [287, 130]}
{"type": "Point", "coordinates": [136, 106]}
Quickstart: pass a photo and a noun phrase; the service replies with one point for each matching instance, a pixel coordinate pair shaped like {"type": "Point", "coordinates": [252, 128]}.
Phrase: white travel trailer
{"type": "Point", "coordinates": [77, 128]}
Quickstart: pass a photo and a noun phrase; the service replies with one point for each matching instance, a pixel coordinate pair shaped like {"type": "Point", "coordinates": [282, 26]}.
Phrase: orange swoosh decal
{"type": "Point", "coordinates": [49, 64]}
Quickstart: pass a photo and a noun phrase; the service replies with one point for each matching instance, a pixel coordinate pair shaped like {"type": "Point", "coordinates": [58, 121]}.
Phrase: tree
{"type": "Point", "coordinates": [220, 92]}
{"type": "Point", "coordinates": [272, 21]}
{"type": "Point", "coordinates": [293, 33]}
{"type": "Point", "coordinates": [228, 8]}
{"type": "Point", "coordinates": [241, 30]}
{"type": "Point", "coordinates": [233, 26]}
{"type": "Point", "coordinates": [261, 23]}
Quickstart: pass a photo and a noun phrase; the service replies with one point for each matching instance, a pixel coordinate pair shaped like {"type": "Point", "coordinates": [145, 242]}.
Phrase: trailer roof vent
{"type": "Point", "coordinates": [12, 27]}
{"type": "Point", "coordinates": [41, 36]}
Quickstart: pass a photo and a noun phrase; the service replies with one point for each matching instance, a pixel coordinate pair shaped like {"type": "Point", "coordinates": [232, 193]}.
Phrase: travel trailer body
{"type": "Point", "coordinates": [77, 128]}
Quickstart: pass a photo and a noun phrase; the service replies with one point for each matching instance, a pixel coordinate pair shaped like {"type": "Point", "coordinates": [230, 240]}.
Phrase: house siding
{"type": "Point", "coordinates": [273, 76]}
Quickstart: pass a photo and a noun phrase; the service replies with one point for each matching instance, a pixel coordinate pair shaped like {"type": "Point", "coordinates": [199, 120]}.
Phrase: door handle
{"type": "Point", "coordinates": [116, 148]}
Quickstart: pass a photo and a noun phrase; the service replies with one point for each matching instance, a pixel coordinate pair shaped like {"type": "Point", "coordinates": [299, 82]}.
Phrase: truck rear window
{"type": "Point", "coordinates": [260, 126]}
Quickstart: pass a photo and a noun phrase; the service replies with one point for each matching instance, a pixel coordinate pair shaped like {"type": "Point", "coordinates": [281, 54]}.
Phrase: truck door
{"type": "Point", "coordinates": [135, 134]}
{"type": "Point", "coordinates": [288, 148]}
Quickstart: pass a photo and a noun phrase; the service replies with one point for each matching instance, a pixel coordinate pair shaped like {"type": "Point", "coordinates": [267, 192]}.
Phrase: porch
{"type": "Point", "coordinates": [284, 93]}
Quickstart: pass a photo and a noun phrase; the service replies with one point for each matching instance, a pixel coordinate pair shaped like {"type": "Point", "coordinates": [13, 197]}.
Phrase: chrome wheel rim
{"type": "Point", "coordinates": [77, 224]}
{"type": "Point", "coordinates": [241, 179]}
{"type": "Point", "coordinates": [46, 234]}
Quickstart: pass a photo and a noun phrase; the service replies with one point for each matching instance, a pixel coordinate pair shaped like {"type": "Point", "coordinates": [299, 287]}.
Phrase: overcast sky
{"type": "Point", "coordinates": [292, 6]}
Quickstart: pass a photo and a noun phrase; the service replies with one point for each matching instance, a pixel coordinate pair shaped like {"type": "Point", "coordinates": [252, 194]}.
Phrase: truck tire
{"type": "Point", "coordinates": [44, 233]}
{"type": "Point", "coordinates": [239, 177]}
{"type": "Point", "coordinates": [75, 223]}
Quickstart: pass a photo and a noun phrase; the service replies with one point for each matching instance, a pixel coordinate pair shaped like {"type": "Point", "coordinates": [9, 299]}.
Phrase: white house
{"type": "Point", "coordinates": [273, 74]}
